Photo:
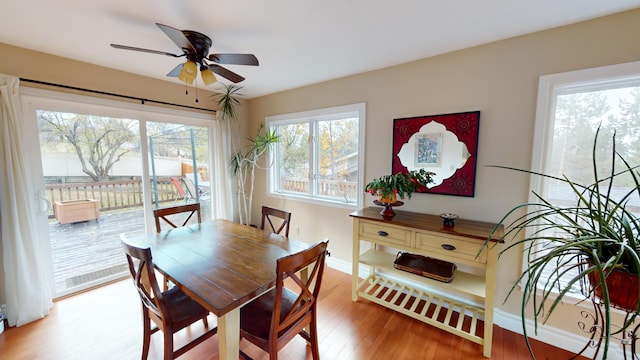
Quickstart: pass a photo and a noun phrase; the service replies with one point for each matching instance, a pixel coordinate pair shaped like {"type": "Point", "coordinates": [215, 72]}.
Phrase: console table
{"type": "Point", "coordinates": [426, 235]}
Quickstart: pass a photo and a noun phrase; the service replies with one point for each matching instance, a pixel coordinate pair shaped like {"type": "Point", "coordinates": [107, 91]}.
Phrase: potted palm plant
{"type": "Point", "coordinates": [244, 161]}
{"type": "Point", "coordinates": [390, 188]}
{"type": "Point", "coordinates": [587, 245]}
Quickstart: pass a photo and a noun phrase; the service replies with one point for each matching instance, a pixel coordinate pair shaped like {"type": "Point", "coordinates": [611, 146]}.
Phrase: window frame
{"type": "Point", "coordinates": [549, 88]}
{"type": "Point", "coordinates": [312, 117]}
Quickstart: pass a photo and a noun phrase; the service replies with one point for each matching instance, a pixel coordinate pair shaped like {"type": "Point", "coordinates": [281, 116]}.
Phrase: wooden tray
{"type": "Point", "coordinates": [425, 266]}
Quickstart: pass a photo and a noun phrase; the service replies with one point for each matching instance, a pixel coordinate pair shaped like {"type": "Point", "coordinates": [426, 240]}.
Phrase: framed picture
{"type": "Point", "coordinates": [428, 150]}
{"type": "Point", "coordinates": [445, 144]}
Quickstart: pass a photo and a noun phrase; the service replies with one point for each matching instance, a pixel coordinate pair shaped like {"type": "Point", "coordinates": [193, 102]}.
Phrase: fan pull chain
{"type": "Point", "coordinates": [196, 91]}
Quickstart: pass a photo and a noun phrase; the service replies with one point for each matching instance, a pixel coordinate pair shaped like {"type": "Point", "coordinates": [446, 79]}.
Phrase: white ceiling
{"type": "Point", "coordinates": [298, 42]}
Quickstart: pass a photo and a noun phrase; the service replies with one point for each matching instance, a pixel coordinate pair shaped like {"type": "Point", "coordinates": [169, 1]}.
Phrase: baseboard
{"type": "Point", "coordinates": [553, 336]}
{"type": "Point", "coordinates": [339, 265]}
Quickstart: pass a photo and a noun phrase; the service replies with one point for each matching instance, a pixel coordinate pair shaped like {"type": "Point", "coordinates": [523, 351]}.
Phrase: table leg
{"type": "Point", "coordinates": [304, 276]}
{"type": "Point", "coordinates": [229, 335]}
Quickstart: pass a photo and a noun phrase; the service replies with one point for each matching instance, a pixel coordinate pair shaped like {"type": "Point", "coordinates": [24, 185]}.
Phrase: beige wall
{"type": "Point", "coordinates": [499, 79]}
{"type": "Point", "coordinates": [43, 67]}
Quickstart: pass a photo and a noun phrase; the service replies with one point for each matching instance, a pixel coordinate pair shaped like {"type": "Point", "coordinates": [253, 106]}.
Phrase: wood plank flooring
{"type": "Point", "coordinates": [106, 324]}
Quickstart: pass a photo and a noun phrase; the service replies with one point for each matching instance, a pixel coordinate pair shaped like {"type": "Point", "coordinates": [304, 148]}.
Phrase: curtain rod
{"type": "Point", "coordinates": [142, 100]}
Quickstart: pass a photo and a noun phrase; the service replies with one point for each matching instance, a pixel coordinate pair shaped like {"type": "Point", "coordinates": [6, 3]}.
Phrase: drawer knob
{"type": "Point", "coordinates": [448, 247]}
{"type": "Point", "coordinates": [383, 233]}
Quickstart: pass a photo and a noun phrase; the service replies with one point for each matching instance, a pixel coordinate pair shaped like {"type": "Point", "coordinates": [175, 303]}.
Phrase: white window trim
{"type": "Point", "coordinates": [319, 114]}
{"type": "Point", "coordinates": [549, 87]}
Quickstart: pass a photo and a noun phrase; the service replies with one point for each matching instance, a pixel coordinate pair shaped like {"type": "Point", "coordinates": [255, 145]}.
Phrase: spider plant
{"type": "Point", "coordinates": [566, 247]}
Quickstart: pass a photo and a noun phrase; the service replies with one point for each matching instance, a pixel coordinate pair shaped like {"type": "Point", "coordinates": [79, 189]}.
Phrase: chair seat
{"type": "Point", "coordinates": [255, 317]}
{"type": "Point", "coordinates": [183, 310]}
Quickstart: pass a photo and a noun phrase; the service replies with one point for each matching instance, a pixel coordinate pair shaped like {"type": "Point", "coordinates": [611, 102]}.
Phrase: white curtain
{"type": "Point", "coordinates": [222, 186]}
{"type": "Point", "coordinates": [27, 275]}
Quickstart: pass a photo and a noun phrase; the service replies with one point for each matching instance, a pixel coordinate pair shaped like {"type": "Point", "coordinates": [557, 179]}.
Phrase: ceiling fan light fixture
{"type": "Point", "coordinates": [207, 76]}
{"type": "Point", "coordinates": [189, 72]}
{"type": "Point", "coordinates": [195, 48]}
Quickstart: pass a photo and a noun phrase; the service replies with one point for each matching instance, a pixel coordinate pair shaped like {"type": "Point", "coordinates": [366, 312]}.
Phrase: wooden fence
{"type": "Point", "coordinates": [111, 195]}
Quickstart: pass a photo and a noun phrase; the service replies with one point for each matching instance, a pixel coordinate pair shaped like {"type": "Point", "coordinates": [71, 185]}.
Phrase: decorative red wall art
{"type": "Point", "coordinates": [427, 149]}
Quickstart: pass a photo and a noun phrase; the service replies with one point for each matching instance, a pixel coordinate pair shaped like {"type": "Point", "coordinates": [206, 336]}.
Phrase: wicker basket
{"type": "Point", "coordinates": [425, 266]}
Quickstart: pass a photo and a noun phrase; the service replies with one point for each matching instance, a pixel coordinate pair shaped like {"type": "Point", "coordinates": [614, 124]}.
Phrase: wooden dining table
{"type": "Point", "coordinates": [222, 265]}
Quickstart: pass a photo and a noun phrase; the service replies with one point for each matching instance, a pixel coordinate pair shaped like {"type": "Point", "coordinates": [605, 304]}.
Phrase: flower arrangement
{"type": "Point", "coordinates": [399, 185]}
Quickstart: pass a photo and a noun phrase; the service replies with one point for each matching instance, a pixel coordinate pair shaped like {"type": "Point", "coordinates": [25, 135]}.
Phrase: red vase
{"type": "Point", "coordinates": [622, 286]}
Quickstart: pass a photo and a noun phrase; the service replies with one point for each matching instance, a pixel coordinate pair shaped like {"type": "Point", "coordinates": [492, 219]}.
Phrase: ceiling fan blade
{"type": "Point", "coordinates": [226, 73]}
{"type": "Point", "coordinates": [178, 37]}
{"type": "Point", "coordinates": [236, 59]}
{"type": "Point", "coordinates": [176, 71]}
{"type": "Point", "coordinates": [125, 47]}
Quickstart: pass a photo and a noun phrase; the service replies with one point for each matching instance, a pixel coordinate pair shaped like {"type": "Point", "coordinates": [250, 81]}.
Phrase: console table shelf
{"type": "Point", "coordinates": [463, 283]}
{"type": "Point", "coordinates": [432, 309]}
{"type": "Point", "coordinates": [470, 313]}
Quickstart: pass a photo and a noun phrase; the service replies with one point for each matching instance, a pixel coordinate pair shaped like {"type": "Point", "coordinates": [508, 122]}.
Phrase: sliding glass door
{"type": "Point", "coordinates": [102, 167]}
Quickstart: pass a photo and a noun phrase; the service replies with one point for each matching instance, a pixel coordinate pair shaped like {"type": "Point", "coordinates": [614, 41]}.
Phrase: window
{"type": "Point", "coordinates": [319, 155]}
{"type": "Point", "coordinates": [571, 107]}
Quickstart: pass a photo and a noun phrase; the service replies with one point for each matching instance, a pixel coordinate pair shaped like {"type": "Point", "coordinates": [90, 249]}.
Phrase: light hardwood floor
{"type": "Point", "coordinates": [106, 324]}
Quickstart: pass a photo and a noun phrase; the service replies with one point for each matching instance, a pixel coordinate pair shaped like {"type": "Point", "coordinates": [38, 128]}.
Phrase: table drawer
{"type": "Point", "coordinates": [385, 234]}
{"type": "Point", "coordinates": [451, 246]}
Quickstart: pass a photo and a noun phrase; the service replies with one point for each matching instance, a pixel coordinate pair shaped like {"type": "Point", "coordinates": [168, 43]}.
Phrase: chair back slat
{"type": "Point", "coordinates": [281, 217]}
{"type": "Point", "coordinates": [163, 213]}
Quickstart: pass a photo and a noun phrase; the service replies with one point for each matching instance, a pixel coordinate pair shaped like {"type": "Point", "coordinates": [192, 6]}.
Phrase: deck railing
{"type": "Point", "coordinates": [111, 195]}
{"type": "Point", "coordinates": [114, 195]}
{"type": "Point", "coordinates": [331, 188]}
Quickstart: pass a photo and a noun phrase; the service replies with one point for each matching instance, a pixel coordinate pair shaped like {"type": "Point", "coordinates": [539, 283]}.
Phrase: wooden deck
{"type": "Point", "coordinates": [89, 252]}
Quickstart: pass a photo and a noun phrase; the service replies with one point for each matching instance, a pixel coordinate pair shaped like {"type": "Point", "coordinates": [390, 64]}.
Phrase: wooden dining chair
{"type": "Point", "coordinates": [164, 213]}
{"type": "Point", "coordinates": [174, 213]}
{"type": "Point", "coordinates": [170, 311]}
{"type": "Point", "coordinates": [281, 217]}
{"type": "Point", "coordinates": [276, 317]}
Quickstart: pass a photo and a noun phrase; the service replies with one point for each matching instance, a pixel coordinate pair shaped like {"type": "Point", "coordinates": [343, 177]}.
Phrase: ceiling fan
{"type": "Point", "coordinates": [195, 47]}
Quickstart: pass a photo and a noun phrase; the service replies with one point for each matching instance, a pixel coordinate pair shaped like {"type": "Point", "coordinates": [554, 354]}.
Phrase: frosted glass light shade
{"type": "Point", "coordinates": [207, 76]}
{"type": "Point", "coordinates": [189, 72]}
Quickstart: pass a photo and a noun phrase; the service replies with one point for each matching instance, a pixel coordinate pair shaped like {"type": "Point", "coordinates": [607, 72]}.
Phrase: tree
{"type": "Point", "coordinates": [99, 142]}
{"type": "Point", "coordinates": [294, 156]}
{"type": "Point", "coordinates": [577, 117]}
{"type": "Point", "coordinates": [337, 140]}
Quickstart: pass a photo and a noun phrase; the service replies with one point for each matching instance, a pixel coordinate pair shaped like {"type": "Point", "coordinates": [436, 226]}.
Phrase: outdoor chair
{"type": "Point", "coordinates": [180, 192]}
{"type": "Point", "coordinates": [190, 186]}
{"type": "Point", "coordinates": [170, 311]}
{"type": "Point", "coordinates": [279, 216]}
{"type": "Point", "coordinates": [276, 317]}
